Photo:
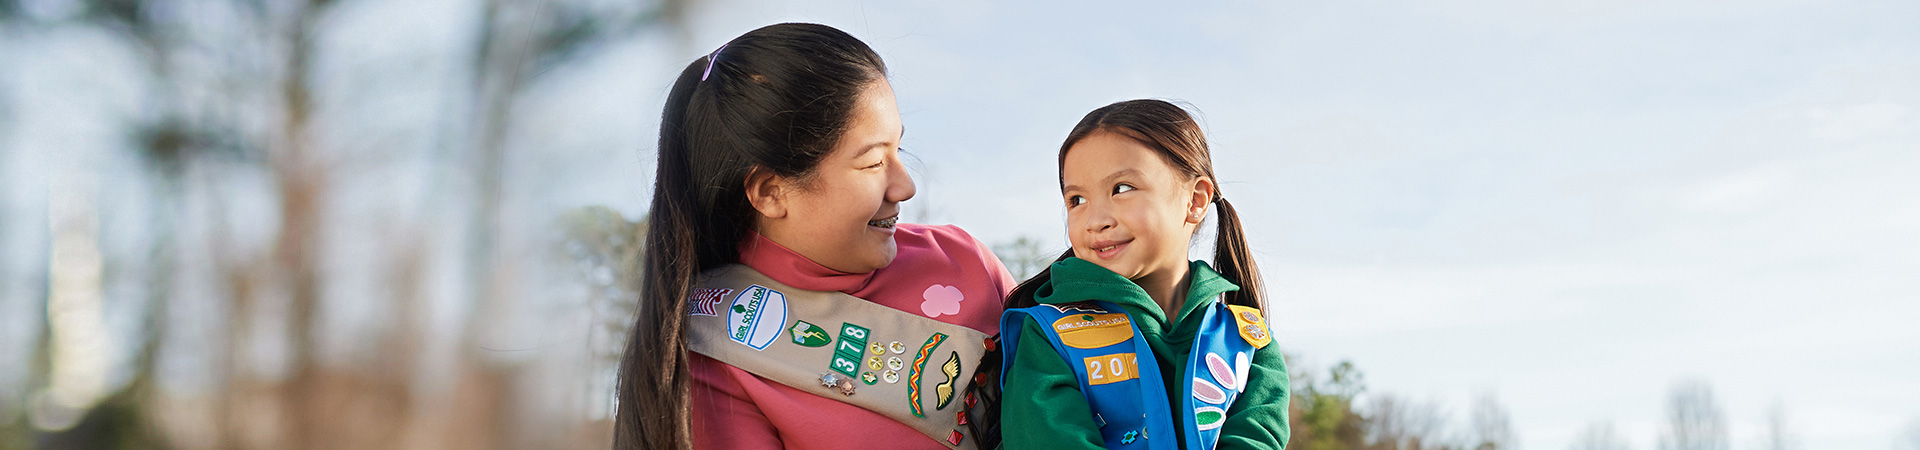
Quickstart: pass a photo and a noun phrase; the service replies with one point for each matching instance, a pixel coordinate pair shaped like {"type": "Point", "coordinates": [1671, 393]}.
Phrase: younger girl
{"type": "Point", "coordinates": [1124, 343]}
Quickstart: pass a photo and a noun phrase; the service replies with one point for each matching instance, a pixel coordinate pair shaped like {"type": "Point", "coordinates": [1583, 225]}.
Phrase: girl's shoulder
{"type": "Point", "coordinates": [946, 274]}
{"type": "Point", "coordinates": [923, 245]}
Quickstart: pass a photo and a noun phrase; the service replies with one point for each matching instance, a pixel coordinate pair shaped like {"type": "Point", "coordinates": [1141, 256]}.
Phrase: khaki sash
{"type": "Point", "coordinates": [907, 367]}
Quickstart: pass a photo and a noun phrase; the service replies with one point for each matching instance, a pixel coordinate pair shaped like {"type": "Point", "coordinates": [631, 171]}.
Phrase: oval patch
{"type": "Point", "coordinates": [1207, 392]}
{"type": "Point", "coordinates": [1209, 417]}
{"type": "Point", "coordinates": [1222, 372]}
{"type": "Point", "coordinates": [1089, 331]}
{"type": "Point", "coordinates": [757, 316]}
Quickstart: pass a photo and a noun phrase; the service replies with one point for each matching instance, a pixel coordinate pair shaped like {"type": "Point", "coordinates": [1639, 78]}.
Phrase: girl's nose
{"type": "Point", "coordinates": [899, 182]}
{"type": "Point", "coordinates": [1097, 219]}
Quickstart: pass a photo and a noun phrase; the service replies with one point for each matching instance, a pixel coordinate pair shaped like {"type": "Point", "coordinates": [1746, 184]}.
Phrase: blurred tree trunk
{"type": "Point", "coordinates": [1492, 429]}
{"type": "Point", "coordinates": [302, 181]}
{"type": "Point", "coordinates": [1599, 436]}
{"type": "Point", "coordinates": [1694, 419]}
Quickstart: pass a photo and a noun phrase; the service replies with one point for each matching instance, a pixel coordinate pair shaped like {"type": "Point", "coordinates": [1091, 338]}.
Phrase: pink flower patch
{"type": "Point", "coordinates": [941, 300]}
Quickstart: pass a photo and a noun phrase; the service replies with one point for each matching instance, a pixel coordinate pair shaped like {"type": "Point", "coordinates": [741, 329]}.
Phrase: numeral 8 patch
{"type": "Point", "coordinates": [849, 351]}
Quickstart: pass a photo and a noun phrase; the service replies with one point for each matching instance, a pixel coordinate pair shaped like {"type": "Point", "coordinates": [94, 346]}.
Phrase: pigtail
{"type": "Point", "coordinates": [653, 409]}
{"type": "Point", "coordinates": [1233, 257]}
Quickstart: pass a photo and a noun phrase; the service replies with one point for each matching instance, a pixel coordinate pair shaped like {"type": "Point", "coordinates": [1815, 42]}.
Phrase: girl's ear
{"type": "Point", "coordinates": [1202, 196]}
{"type": "Point", "coordinates": [767, 192]}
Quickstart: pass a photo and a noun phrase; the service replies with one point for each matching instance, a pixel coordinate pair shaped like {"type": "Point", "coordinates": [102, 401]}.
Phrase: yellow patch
{"type": "Point", "coordinates": [1112, 368]}
{"type": "Point", "coordinates": [1093, 330]}
{"type": "Point", "coordinates": [1252, 326]}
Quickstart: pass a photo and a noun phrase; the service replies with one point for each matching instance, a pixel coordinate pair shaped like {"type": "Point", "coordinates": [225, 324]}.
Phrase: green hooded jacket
{"type": "Point", "coordinates": [1044, 409]}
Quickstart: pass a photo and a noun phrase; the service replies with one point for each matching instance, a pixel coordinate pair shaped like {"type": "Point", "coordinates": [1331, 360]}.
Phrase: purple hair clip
{"type": "Point", "coordinates": [715, 55]}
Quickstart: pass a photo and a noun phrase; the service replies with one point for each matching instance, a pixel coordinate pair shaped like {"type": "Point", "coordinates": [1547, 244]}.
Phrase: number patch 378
{"type": "Point", "coordinates": [1112, 368]}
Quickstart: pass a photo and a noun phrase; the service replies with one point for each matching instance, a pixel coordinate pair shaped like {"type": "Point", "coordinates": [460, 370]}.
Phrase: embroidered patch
{"type": "Point", "coordinates": [1091, 331]}
{"type": "Point", "coordinates": [1209, 417]}
{"type": "Point", "coordinates": [1252, 326]}
{"type": "Point", "coordinates": [846, 354]}
{"type": "Point", "coordinates": [943, 392]}
{"type": "Point", "coordinates": [1129, 437]}
{"type": "Point", "coordinates": [1112, 368]}
{"type": "Point", "coordinates": [1207, 392]}
{"type": "Point", "coordinates": [809, 335]}
{"type": "Point", "coordinates": [706, 301]}
{"type": "Point", "coordinates": [1240, 365]}
{"type": "Point", "coordinates": [756, 316]}
{"type": "Point", "coordinates": [920, 364]}
{"type": "Point", "coordinates": [1222, 372]}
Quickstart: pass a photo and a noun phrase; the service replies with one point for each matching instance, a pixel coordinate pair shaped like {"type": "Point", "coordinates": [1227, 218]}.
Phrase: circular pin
{"type": "Point", "coordinates": [897, 347]}
{"type": "Point", "coordinates": [876, 348]}
{"type": "Point", "coordinates": [1250, 316]}
{"type": "Point", "coordinates": [873, 363]}
{"type": "Point", "coordinates": [895, 363]}
{"type": "Point", "coordinates": [869, 378]}
{"type": "Point", "coordinates": [890, 376]}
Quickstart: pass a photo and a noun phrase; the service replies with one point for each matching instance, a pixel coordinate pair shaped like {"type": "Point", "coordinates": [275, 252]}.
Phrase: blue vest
{"type": "Point", "coordinates": [1121, 378]}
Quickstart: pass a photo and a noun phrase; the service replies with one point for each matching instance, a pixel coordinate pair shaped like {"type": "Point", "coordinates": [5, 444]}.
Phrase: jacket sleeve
{"type": "Point", "coordinates": [1258, 419]}
{"type": "Point", "coordinates": [1042, 407]}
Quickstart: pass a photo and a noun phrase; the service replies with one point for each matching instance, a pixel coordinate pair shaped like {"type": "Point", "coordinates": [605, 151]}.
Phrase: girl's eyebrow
{"type": "Point", "coordinates": [883, 144]}
{"type": "Point", "coordinates": [1110, 177]}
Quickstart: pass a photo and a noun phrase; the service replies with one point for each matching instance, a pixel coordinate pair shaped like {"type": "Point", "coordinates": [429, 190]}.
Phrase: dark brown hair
{"type": "Point", "coordinates": [1176, 137]}
{"type": "Point", "coordinates": [774, 99]}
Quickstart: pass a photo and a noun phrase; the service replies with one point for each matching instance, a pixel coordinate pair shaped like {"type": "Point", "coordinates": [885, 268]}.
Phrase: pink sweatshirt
{"type": "Point", "coordinates": [733, 409]}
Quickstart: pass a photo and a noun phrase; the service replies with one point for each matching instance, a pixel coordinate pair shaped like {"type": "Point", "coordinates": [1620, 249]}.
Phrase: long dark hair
{"type": "Point", "coordinates": [1171, 132]}
{"type": "Point", "coordinates": [774, 99]}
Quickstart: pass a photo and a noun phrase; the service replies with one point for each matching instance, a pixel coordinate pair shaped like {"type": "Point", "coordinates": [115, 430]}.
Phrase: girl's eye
{"type": "Point", "coordinates": [1122, 187]}
{"type": "Point", "coordinates": [1076, 200]}
{"type": "Point", "coordinates": [875, 165]}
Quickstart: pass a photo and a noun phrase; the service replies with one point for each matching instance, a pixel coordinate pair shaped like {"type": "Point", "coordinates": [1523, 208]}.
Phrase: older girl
{"type": "Point", "coordinates": [785, 305]}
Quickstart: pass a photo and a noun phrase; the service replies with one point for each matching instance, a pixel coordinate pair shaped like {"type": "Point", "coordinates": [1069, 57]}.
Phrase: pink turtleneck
{"type": "Point", "coordinates": [733, 409]}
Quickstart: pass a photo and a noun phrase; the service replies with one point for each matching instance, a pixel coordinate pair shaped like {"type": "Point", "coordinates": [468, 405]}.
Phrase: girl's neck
{"type": "Point", "coordinates": [1168, 288]}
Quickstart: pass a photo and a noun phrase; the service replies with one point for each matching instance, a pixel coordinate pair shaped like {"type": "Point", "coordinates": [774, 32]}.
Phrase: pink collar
{"type": "Point", "coordinates": [793, 269]}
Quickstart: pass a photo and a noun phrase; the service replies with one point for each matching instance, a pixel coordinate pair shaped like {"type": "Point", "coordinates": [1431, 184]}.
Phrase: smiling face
{"type": "Point", "coordinates": [842, 214]}
{"type": "Point", "coordinates": [1127, 209]}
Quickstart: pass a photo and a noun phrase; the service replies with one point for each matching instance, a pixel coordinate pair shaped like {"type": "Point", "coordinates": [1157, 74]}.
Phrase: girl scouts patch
{"type": "Point", "coordinates": [1252, 326]}
{"type": "Point", "coordinates": [1093, 330]}
{"type": "Point", "coordinates": [757, 316]}
{"type": "Point", "coordinates": [919, 364]}
{"type": "Point", "coordinates": [944, 391]}
{"type": "Point", "coordinates": [808, 335]}
{"type": "Point", "coordinates": [706, 301]}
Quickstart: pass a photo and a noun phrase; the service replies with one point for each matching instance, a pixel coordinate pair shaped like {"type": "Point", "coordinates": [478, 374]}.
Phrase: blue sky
{"type": "Point", "coordinates": [1572, 204]}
